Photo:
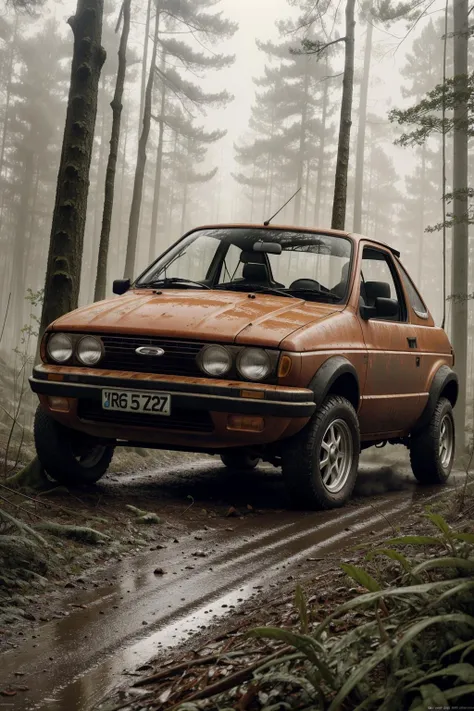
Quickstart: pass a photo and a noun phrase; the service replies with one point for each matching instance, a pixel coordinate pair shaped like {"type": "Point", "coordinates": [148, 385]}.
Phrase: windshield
{"type": "Point", "coordinates": [310, 266]}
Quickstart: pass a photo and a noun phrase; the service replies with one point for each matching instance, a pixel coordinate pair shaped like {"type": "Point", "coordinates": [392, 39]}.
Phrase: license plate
{"type": "Point", "coordinates": [135, 401]}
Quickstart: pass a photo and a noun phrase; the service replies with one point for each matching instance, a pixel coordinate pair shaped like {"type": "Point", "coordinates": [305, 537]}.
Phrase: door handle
{"type": "Point", "coordinates": [412, 342]}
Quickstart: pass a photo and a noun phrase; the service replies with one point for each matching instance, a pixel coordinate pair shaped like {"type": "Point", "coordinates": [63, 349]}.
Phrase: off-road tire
{"type": "Point", "coordinates": [301, 457]}
{"type": "Point", "coordinates": [57, 448]}
{"type": "Point", "coordinates": [426, 462]}
{"type": "Point", "coordinates": [239, 461]}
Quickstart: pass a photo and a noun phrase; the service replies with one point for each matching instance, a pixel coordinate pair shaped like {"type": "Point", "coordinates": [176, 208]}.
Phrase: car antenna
{"type": "Point", "coordinates": [267, 222]}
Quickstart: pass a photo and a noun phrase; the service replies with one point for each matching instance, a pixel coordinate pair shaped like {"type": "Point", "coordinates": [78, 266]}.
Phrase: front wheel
{"type": "Point", "coordinates": [68, 456]}
{"type": "Point", "coordinates": [432, 449]}
{"type": "Point", "coordinates": [320, 463]}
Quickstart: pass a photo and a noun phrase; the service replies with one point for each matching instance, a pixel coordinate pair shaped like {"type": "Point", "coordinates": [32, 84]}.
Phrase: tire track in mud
{"type": "Point", "coordinates": [76, 660]}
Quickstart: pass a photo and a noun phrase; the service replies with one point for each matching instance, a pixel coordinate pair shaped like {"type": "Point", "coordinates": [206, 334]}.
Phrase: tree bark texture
{"type": "Point", "coordinates": [17, 286]}
{"type": "Point", "coordinates": [421, 238]}
{"type": "Point", "coordinates": [141, 161]}
{"type": "Point", "coordinates": [360, 150]}
{"type": "Point", "coordinates": [302, 146]}
{"type": "Point", "coordinates": [460, 252]}
{"type": "Point", "coordinates": [144, 60]}
{"type": "Point", "coordinates": [321, 150]}
{"type": "Point", "coordinates": [184, 205]}
{"type": "Point", "coordinates": [69, 216]}
{"type": "Point", "coordinates": [158, 170]}
{"type": "Point", "coordinates": [343, 148]}
{"type": "Point", "coordinates": [116, 104]}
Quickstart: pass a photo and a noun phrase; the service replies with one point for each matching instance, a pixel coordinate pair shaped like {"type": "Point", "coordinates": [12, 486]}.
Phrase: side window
{"type": "Point", "coordinates": [379, 278]}
{"type": "Point", "coordinates": [415, 300]}
{"type": "Point", "coordinates": [232, 267]}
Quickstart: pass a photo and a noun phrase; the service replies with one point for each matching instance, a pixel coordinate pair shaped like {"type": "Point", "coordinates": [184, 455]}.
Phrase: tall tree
{"type": "Point", "coordinates": [69, 215]}
{"type": "Point", "coordinates": [141, 157]}
{"type": "Point", "coordinates": [449, 107]}
{"type": "Point", "coordinates": [182, 59]}
{"type": "Point", "coordinates": [343, 150]}
{"type": "Point", "coordinates": [116, 105]}
{"type": "Point", "coordinates": [338, 220]}
{"type": "Point", "coordinates": [360, 150]}
{"type": "Point", "coordinates": [460, 251]}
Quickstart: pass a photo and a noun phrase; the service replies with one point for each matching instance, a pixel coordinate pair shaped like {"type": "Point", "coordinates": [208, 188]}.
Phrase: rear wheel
{"type": "Point", "coordinates": [239, 461]}
{"type": "Point", "coordinates": [320, 463]}
{"type": "Point", "coordinates": [68, 456]}
{"type": "Point", "coordinates": [432, 449]}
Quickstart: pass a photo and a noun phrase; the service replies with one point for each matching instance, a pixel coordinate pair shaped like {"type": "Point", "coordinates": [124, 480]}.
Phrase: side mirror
{"type": "Point", "coordinates": [121, 286]}
{"type": "Point", "coordinates": [384, 308]}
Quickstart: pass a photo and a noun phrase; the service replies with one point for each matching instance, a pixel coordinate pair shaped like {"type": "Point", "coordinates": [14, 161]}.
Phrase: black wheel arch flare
{"type": "Point", "coordinates": [337, 376]}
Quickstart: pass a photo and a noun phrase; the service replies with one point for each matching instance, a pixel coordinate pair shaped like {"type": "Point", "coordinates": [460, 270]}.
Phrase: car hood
{"type": "Point", "coordinates": [224, 316]}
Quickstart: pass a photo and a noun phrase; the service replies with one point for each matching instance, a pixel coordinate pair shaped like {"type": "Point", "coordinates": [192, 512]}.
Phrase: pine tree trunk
{"type": "Point", "coordinates": [252, 193]}
{"type": "Point", "coordinates": [185, 194]}
{"type": "Point", "coordinates": [30, 242]}
{"type": "Point", "coordinates": [118, 266]}
{"type": "Point", "coordinates": [360, 151]}
{"type": "Point", "coordinates": [7, 109]}
{"type": "Point", "coordinates": [172, 183]}
{"type": "Point", "coordinates": [340, 186]}
{"type": "Point", "coordinates": [306, 193]}
{"type": "Point", "coordinates": [322, 147]}
{"type": "Point", "coordinates": [116, 104]}
{"type": "Point", "coordinates": [141, 161]}
{"type": "Point", "coordinates": [144, 60]}
{"type": "Point", "coordinates": [18, 287]}
{"type": "Point", "coordinates": [63, 272]}
{"type": "Point", "coordinates": [421, 239]}
{"type": "Point", "coordinates": [302, 146]}
{"type": "Point", "coordinates": [460, 251]}
{"type": "Point", "coordinates": [158, 170]}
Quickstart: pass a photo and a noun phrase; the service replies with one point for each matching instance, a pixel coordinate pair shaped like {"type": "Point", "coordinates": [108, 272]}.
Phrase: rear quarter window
{"type": "Point", "coordinates": [413, 296]}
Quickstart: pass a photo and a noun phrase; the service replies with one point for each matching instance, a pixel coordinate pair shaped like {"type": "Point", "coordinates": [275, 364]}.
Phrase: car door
{"type": "Point", "coordinates": [391, 397]}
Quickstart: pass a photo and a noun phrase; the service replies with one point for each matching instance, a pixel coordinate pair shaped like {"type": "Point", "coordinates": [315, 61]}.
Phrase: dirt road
{"type": "Point", "coordinates": [158, 599]}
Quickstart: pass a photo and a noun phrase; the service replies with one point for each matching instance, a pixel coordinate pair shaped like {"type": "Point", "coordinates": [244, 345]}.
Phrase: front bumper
{"type": "Point", "coordinates": [284, 409]}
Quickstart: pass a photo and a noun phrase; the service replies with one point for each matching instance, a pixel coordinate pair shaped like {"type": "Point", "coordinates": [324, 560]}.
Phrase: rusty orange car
{"type": "Point", "coordinates": [295, 346]}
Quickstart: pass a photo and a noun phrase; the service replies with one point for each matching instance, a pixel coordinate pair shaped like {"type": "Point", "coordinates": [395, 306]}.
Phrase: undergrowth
{"type": "Point", "coordinates": [404, 642]}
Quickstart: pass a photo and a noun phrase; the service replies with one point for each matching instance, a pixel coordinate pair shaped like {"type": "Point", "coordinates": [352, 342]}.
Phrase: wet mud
{"type": "Point", "coordinates": [157, 600]}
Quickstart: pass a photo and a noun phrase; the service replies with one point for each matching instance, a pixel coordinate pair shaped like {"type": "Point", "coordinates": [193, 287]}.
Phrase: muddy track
{"type": "Point", "coordinates": [74, 661]}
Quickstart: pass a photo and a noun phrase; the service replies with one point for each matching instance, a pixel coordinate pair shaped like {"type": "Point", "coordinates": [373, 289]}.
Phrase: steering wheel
{"type": "Point", "coordinates": [310, 284]}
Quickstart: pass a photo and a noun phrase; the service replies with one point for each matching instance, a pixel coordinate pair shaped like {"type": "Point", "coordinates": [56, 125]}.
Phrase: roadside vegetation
{"type": "Point", "coordinates": [394, 630]}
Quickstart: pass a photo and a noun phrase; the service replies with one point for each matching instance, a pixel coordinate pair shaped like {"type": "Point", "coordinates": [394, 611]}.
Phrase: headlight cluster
{"type": "Point", "coordinates": [87, 349]}
{"type": "Point", "coordinates": [251, 363]}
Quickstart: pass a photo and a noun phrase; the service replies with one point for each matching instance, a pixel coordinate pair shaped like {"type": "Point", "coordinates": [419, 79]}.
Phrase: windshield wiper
{"type": "Point", "coordinates": [172, 281]}
{"type": "Point", "coordinates": [318, 294]}
{"type": "Point", "coordinates": [256, 289]}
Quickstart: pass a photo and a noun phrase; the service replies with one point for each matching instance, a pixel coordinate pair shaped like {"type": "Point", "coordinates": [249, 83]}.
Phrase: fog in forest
{"type": "Point", "coordinates": [241, 117]}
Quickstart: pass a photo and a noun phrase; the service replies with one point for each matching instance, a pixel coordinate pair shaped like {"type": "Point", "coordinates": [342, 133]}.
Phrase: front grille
{"type": "Point", "coordinates": [179, 357]}
{"type": "Point", "coordinates": [180, 418]}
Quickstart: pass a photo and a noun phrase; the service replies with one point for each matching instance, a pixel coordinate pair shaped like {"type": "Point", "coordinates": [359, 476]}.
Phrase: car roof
{"type": "Point", "coordinates": [316, 230]}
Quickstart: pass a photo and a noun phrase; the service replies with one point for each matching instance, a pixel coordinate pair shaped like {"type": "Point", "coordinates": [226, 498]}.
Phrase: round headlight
{"type": "Point", "coordinates": [89, 350]}
{"type": "Point", "coordinates": [59, 347]}
{"type": "Point", "coordinates": [254, 364]}
{"type": "Point", "coordinates": [216, 360]}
